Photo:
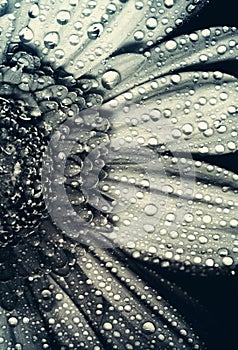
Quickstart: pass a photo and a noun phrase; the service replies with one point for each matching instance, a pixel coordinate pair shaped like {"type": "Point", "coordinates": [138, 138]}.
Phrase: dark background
{"type": "Point", "coordinates": [219, 295]}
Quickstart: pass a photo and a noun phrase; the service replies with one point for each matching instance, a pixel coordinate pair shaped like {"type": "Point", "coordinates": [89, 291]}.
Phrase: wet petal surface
{"type": "Point", "coordinates": [78, 37]}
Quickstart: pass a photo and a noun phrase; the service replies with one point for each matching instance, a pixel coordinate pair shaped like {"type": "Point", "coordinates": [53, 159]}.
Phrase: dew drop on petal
{"type": "Point", "coordinates": [110, 79]}
{"type": "Point", "coordinates": [95, 30]}
{"type": "Point", "coordinates": [221, 49]}
{"type": "Point", "coordinates": [227, 261]}
{"type": "Point", "coordinates": [13, 321]}
{"type": "Point", "coordinates": [139, 35]}
{"type": "Point", "coordinates": [34, 11]}
{"type": "Point", "coordinates": [171, 45]}
{"type": "Point", "coordinates": [107, 326]}
{"type": "Point", "coordinates": [187, 129]}
{"type": "Point", "coordinates": [51, 40]}
{"type": "Point", "coordinates": [148, 228]}
{"type": "Point", "coordinates": [26, 35]}
{"type": "Point", "coordinates": [169, 3]}
{"type": "Point", "coordinates": [59, 54]}
{"type": "Point", "coordinates": [150, 209]}
{"type": "Point", "coordinates": [111, 8]}
{"type": "Point", "coordinates": [63, 17]}
{"type": "Point", "coordinates": [74, 39]}
{"type": "Point", "coordinates": [151, 23]}
{"type": "Point", "coordinates": [139, 5]}
{"type": "Point", "coordinates": [148, 327]}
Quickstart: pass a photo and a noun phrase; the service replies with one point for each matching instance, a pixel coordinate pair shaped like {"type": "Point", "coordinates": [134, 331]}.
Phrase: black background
{"type": "Point", "coordinates": [219, 295]}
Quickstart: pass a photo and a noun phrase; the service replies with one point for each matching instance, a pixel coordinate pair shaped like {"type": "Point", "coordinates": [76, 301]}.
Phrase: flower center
{"type": "Point", "coordinates": [21, 151]}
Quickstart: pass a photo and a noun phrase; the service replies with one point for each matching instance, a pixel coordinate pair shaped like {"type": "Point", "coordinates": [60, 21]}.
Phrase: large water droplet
{"type": "Point", "coordinates": [51, 40]}
{"type": "Point", "coordinates": [148, 327]}
{"type": "Point", "coordinates": [63, 17]}
{"type": "Point", "coordinates": [26, 35]}
{"type": "Point", "coordinates": [151, 23]}
{"type": "Point", "coordinates": [95, 30]}
{"type": "Point", "coordinates": [34, 11]}
{"type": "Point", "coordinates": [111, 8]}
{"type": "Point", "coordinates": [110, 79]}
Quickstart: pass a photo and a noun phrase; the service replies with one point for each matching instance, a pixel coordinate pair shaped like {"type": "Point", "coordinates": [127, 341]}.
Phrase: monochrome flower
{"type": "Point", "coordinates": [105, 117]}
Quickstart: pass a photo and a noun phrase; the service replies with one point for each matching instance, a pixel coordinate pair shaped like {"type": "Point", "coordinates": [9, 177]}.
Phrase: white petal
{"type": "Point", "coordinates": [188, 112]}
{"type": "Point", "coordinates": [175, 210]}
{"type": "Point", "coordinates": [79, 37]}
{"type": "Point", "coordinates": [187, 51]}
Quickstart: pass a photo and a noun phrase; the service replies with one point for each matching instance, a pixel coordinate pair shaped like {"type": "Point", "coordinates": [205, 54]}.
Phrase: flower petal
{"type": "Point", "coordinates": [190, 112]}
{"type": "Point", "coordinates": [175, 210]}
{"type": "Point", "coordinates": [79, 37]}
{"type": "Point", "coordinates": [95, 298]}
{"type": "Point", "coordinates": [6, 29]}
{"type": "Point", "coordinates": [188, 51]}
{"type": "Point", "coordinates": [23, 327]}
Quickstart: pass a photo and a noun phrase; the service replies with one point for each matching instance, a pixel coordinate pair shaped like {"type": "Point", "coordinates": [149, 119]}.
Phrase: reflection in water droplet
{"type": "Point", "coordinates": [148, 327]}
{"type": "Point", "coordinates": [169, 3]}
{"type": "Point", "coordinates": [171, 45]}
{"type": "Point", "coordinates": [26, 35]}
{"type": "Point", "coordinates": [74, 39]}
{"type": "Point", "coordinates": [139, 35]}
{"type": "Point", "coordinates": [51, 40]}
{"type": "Point", "coordinates": [110, 79]}
{"type": "Point", "coordinates": [151, 23]}
{"type": "Point", "coordinates": [34, 11]}
{"type": "Point", "coordinates": [150, 209]}
{"type": "Point", "coordinates": [95, 30]}
{"type": "Point", "coordinates": [139, 5]}
{"type": "Point", "coordinates": [63, 17]}
{"type": "Point", "coordinates": [111, 8]}
{"type": "Point", "coordinates": [59, 54]}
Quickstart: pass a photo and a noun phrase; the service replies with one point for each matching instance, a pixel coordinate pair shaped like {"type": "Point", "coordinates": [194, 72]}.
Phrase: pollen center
{"type": "Point", "coordinates": [21, 152]}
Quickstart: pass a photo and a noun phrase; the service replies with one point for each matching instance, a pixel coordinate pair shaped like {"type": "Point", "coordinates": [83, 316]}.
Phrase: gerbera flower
{"type": "Point", "coordinates": [102, 110]}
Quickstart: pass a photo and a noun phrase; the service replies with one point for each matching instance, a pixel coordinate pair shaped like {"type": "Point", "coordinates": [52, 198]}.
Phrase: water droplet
{"type": "Point", "coordinates": [139, 5]}
{"type": "Point", "coordinates": [148, 327]}
{"type": "Point", "coordinates": [221, 49]}
{"type": "Point", "coordinates": [169, 3]}
{"type": "Point", "coordinates": [95, 30]}
{"type": "Point", "coordinates": [110, 79]}
{"type": "Point", "coordinates": [26, 35]}
{"type": "Point", "coordinates": [34, 11]}
{"type": "Point", "coordinates": [107, 326]}
{"type": "Point", "coordinates": [74, 39]}
{"type": "Point", "coordinates": [51, 40]}
{"type": "Point", "coordinates": [63, 17]}
{"type": "Point", "coordinates": [150, 209]}
{"type": "Point", "coordinates": [171, 45]}
{"type": "Point", "coordinates": [139, 35]}
{"type": "Point", "coordinates": [151, 23]}
{"type": "Point", "coordinates": [13, 321]}
{"type": "Point", "coordinates": [187, 129]}
{"type": "Point", "coordinates": [111, 8]}
{"type": "Point", "coordinates": [59, 54]}
{"type": "Point", "coordinates": [148, 228]}
{"type": "Point", "coordinates": [227, 261]}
